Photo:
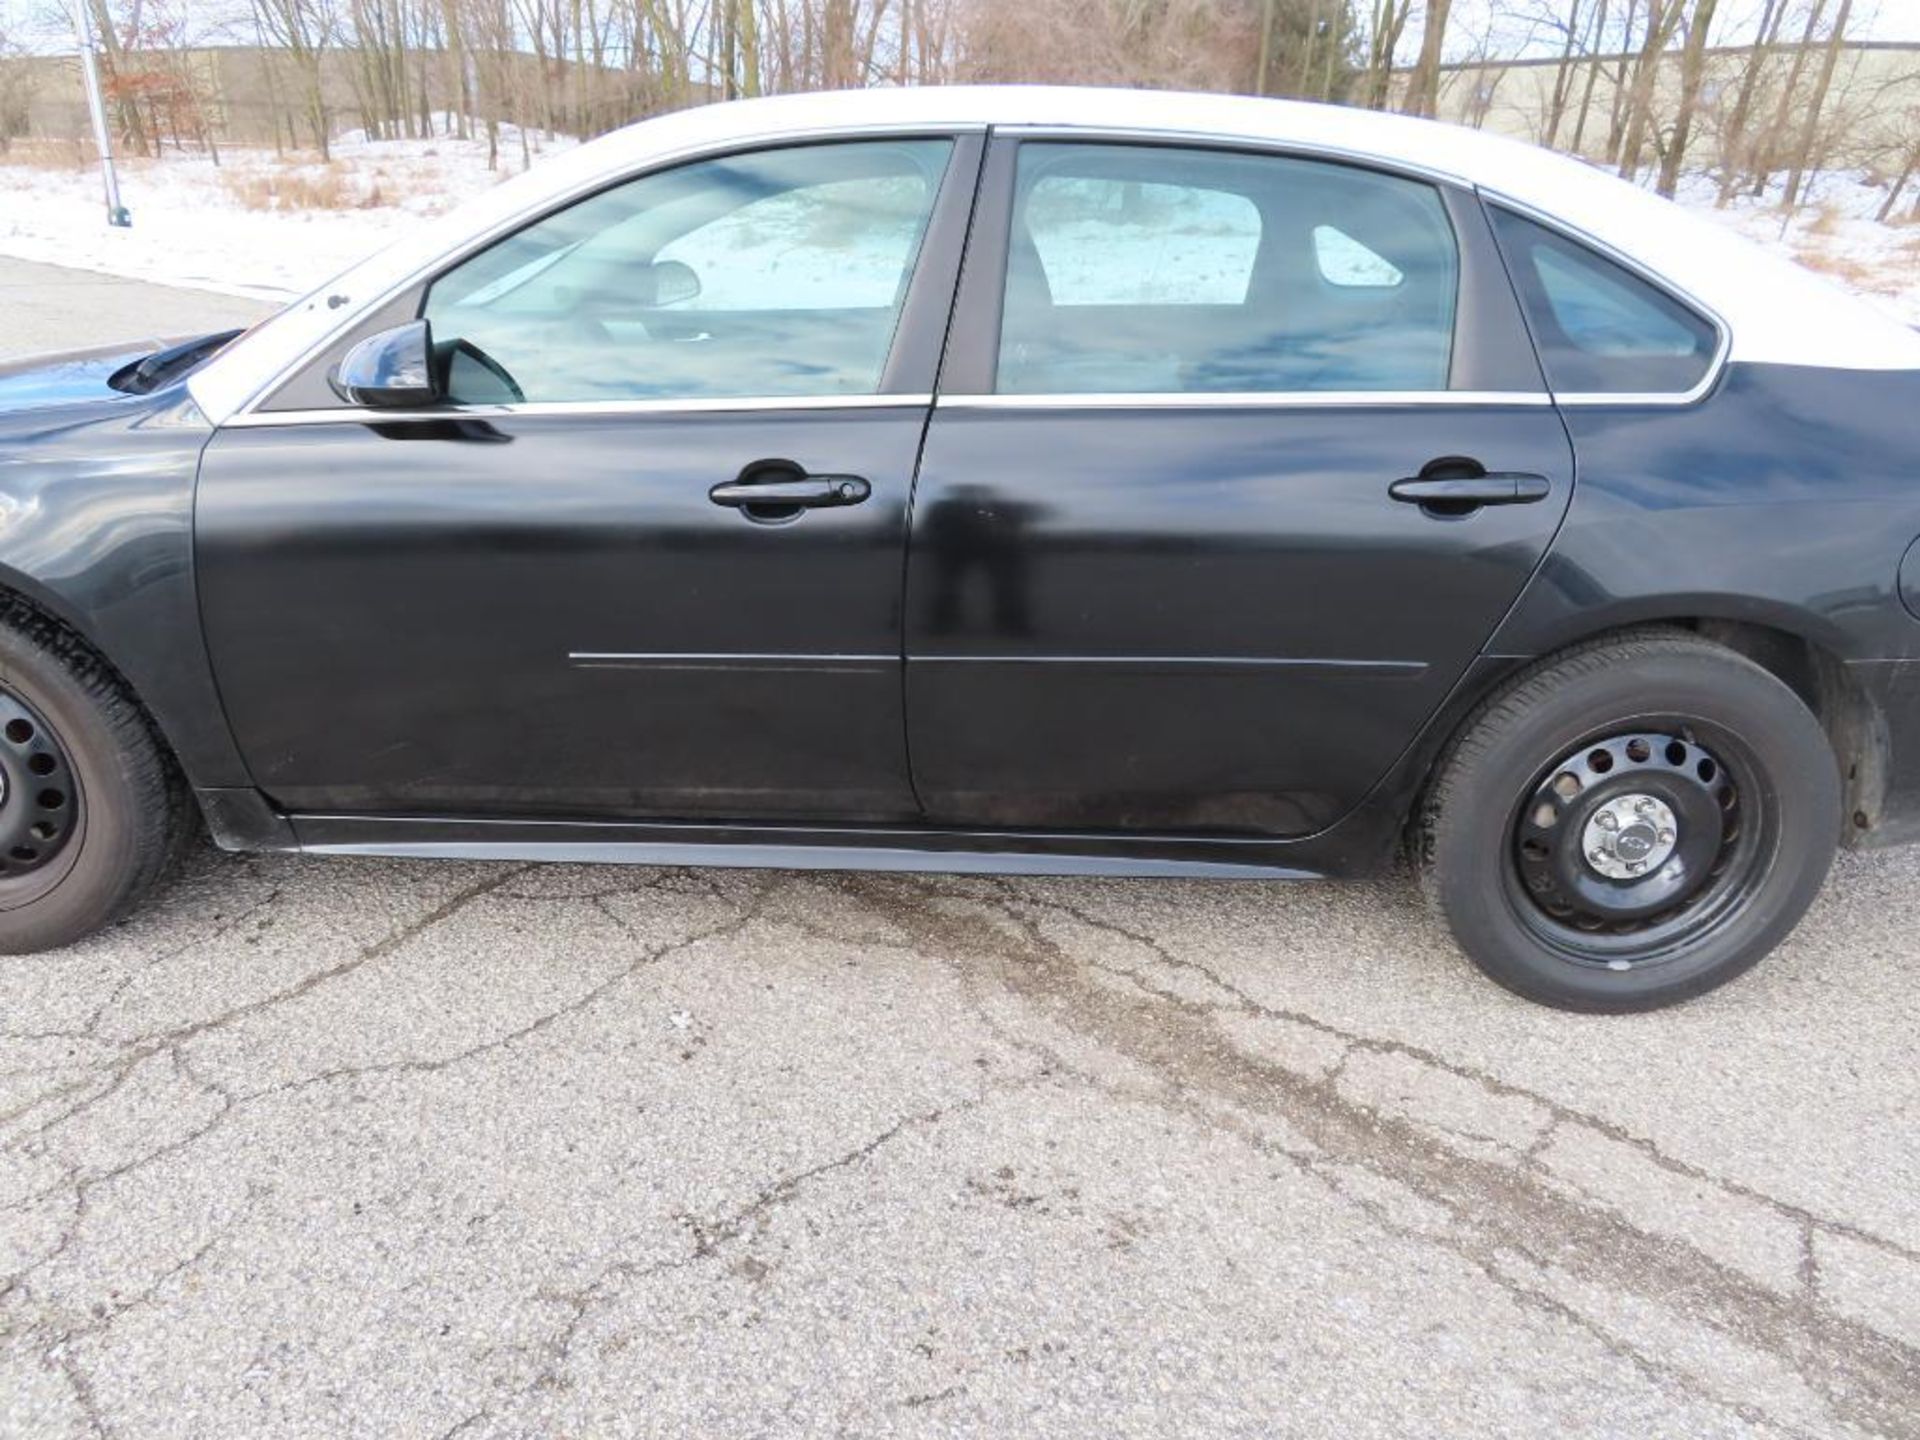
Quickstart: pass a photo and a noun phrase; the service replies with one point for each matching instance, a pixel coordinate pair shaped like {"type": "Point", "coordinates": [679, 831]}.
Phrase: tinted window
{"type": "Point", "coordinates": [1600, 328]}
{"type": "Point", "coordinates": [1135, 269]}
{"type": "Point", "coordinates": [1115, 242]}
{"type": "Point", "coordinates": [778, 273]}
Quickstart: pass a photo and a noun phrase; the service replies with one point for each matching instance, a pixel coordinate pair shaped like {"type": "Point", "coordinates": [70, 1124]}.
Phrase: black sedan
{"type": "Point", "coordinates": [1001, 481]}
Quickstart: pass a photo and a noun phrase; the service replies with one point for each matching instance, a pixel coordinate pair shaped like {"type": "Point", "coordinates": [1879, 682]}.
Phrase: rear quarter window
{"type": "Point", "coordinates": [1601, 329]}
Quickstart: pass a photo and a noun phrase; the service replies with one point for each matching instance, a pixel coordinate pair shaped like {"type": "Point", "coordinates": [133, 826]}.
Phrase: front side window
{"type": "Point", "coordinates": [1600, 328]}
{"type": "Point", "coordinates": [1154, 269]}
{"type": "Point", "coordinates": [780, 273]}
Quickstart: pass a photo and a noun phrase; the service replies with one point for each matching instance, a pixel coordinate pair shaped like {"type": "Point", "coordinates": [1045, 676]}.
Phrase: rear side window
{"type": "Point", "coordinates": [1119, 242]}
{"type": "Point", "coordinates": [1601, 329]}
{"type": "Point", "coordinates": [1156, 269]}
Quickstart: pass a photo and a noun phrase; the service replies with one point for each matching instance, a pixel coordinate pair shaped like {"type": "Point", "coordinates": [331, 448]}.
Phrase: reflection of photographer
{"type": "Point", "coordinates": [971, 528]}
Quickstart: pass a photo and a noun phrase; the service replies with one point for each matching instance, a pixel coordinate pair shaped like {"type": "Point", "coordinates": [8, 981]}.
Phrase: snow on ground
{"type": "Point", "coordinates": [255, 224]}
{"type": "Point", "coordinates": [262, 225]}
{"type": "Point", "coordinates": [1834, 232]}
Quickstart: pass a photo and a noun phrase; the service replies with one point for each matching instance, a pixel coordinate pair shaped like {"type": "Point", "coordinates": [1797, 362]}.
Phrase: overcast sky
{"type": "Point", "coordinates": [38, 22]}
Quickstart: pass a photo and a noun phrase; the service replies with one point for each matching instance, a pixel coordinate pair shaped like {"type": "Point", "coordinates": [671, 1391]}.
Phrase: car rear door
{"type": "Point", "coordinates": [1238, 458]}
{"type": "Point", "coordinates": [660, 576]}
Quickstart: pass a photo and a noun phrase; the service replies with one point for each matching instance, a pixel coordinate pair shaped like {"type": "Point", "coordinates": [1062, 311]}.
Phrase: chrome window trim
{"type": "Point", "coordinates": [1623, 399]}
{"type": "Point", "coordinates": [1244, 399]}
{"type": "Point", "coordinates": [352, 314]}
{"type": "Point", "coordinates": [267, 419]}
{"type": "Point", "coordinates": [1586, 400]}
{"type": "Point", "coordinates": [1202, 139]}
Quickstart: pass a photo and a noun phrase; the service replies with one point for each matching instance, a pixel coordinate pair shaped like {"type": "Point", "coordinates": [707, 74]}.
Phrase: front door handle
{"type": "Point", "coordinates": [1460, 492]}
{"type": "Point", "coordinates": [791, 491]}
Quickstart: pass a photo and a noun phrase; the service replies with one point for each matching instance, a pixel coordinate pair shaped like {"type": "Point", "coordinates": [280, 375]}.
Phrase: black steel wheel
{"type": "Point", "coordinates": [92, 812]}
{"type": "Point", "coordinates": [40, 805]}
{"type": "Point", "coordinates": [1631, 823]}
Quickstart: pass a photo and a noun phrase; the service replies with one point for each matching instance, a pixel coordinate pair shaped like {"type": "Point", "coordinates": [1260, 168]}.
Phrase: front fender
{"type": "Point", "coordinates": [96, 529]}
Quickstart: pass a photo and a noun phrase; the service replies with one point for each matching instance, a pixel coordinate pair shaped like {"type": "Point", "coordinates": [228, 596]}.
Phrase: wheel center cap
{"type": "Point", "coordinates": [1629, 836]}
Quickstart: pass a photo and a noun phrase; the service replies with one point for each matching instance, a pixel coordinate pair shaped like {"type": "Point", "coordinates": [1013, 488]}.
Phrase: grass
{"type": "Point", "coordinates": [1856, 274]}
{"type": "Point", "coordinates": [36, 154]}
{"type": "Point", "coordinates": [304, 186]}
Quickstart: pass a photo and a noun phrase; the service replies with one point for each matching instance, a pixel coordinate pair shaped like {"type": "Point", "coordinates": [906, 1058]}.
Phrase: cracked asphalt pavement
{"type": "Point", "coordinates": [352, 1147]}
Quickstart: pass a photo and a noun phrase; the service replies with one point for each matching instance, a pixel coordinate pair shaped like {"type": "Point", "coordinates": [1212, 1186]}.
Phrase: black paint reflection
{"type": "Point", "coordinates": [974, 530]}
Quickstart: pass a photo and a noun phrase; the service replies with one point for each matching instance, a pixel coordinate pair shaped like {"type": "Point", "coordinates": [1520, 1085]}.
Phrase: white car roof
{"type": "Point", "coordinates": [1776, 312]}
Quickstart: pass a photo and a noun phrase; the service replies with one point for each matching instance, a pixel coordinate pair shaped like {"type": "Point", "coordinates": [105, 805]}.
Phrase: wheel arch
{"type": "Point", "coordinates": [1801, 659]}
{"type": "Point", "coordinates": [25, 599]}
{"type": "Point", "coordinates": [237, 816]}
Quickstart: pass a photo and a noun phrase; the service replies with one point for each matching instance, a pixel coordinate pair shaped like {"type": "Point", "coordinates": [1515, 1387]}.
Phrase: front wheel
{"type": "Point", "coordinates": [1631, 824]}
{"type": "Point", "coordinates": [92, 813]}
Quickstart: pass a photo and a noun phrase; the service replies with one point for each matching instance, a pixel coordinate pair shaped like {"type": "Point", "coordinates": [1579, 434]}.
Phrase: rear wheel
{"type": "Point", "coordinates": [91, 812]}
{"type": "Point", "coordinates": [1631, 824]}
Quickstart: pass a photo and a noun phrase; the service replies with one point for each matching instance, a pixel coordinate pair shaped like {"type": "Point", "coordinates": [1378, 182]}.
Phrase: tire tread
{"type": "Point", "coordinates": [163, 805]}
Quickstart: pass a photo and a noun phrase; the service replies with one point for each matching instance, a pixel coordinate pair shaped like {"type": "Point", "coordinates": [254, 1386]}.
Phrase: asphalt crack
{"type": "Point", "coordinates": [1504, 1207]}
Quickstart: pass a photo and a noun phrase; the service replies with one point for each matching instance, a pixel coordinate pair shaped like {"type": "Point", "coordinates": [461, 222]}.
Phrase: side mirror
{"type": "Point", "coordinates": [671, 282]}
{"type": "Point", "coordinates": [391, 370]}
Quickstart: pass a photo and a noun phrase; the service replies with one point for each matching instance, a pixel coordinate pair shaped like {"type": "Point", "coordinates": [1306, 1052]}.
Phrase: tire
{"type": "Point", "coordinates": [92, 811]}
{"type": "Point", "coordinates": [1630, 823]}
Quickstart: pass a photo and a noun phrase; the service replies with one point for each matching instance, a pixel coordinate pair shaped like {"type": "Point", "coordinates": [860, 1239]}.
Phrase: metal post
{"type": "Point", "coordinates": [117, 214]}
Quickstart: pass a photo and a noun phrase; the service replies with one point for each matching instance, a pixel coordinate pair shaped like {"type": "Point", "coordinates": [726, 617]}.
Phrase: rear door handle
{"type": "Point", "coordinates": [796, 490]}
{"type": "Point", "coordinates": [1496, 487]}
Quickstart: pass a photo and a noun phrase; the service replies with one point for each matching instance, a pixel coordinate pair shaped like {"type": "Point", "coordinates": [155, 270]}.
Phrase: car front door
{"type": "Point", "coordinates": [1237, 461]}
{"type": "Point", "coordinates": [647, 561]}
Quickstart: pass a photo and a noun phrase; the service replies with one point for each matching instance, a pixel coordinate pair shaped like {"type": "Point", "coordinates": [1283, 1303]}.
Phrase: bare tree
{"type": "Point", "coordinates": [1383, 40]}
{"type": "Point", "coordinates": [1810, 125]}
{"type": "Point", "coordinates": [18, 83]}
{"type": "Point", "coordinates": [1909, 163]}
{"type": "Point", "coordinates": [1693, 64]}
{"type": "Point", "coordinates": [1593, 74]}
{"type": "Point", "coordinates": [1617, 115]}
{"type": "Point", "coordinates": [1423, 90]}
{"type": "Point", "coordinates": [1570, 30]}
{"type": "Point", "coordinates": [1733, 135]}
{"type": "Point", "coordinates": [1663, 19]}
{"type": "Point", "coordinates": [1770, 140]}
{"type": "Point", "coordinates": [305, 30]}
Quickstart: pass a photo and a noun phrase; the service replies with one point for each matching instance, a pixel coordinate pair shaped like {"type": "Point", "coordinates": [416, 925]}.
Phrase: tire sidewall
{"type": "Point", "coordinates": [101, 861]}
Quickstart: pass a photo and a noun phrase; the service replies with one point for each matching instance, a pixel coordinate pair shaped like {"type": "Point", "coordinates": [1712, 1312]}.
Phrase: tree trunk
{"type": "Point", "coordinates": [1663, 18]}
{"type": "Point", "coordinates": [1693, 64]}
{"type": "Point", "coordinates": [1593, 74]}
{"type": "Point", "coordinates": [1885, 213]}
{"type": "Point", "coordinates": [1770, 143]}
{"type": "Point", "coordinates": [1617, 116]}
{"type": "Point", "coordinates": [750, 46]}
{"type": "Point", "coordinates": [1266, 47]}
{"type": "Point", "coordinates": [1733, 140]}
{"type": "Point", "coordinates": [1389, 20]}
{"type": "Point", "coordinates": [1810, 128]}
{"type": "Point", "coordinates": [1562, 80]}
{"type": "Point", "coordinates": [1423, 92]}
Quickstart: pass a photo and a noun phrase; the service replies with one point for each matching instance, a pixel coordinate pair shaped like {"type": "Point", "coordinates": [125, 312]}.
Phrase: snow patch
{"type": "Point", "coordinates": [260, 225]}
{"type": "Point", "coordinates": [255, 224]}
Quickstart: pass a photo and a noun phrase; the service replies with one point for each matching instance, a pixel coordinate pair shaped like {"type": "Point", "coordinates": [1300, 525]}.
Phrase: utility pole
{"type": "Point", "coordinates": [117, 214]}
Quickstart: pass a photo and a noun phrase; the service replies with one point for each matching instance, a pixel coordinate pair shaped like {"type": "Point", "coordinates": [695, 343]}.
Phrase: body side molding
{"type": "Point", "coordinates": [898, 849]}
